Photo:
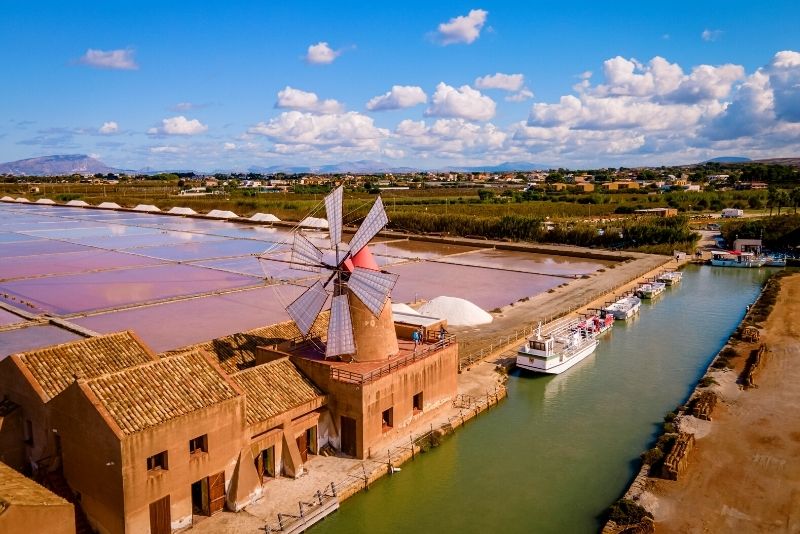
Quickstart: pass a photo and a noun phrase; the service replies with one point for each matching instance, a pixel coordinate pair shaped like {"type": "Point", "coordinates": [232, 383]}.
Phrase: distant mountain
{"type": "Point", "coordinates": [508, 166]}
{"type": "Point", "coordinates": [56, 165]}
{"type": "Point", "coordinates": [357, 167]}
{"type": "Point", "coordinates": [729, 159]}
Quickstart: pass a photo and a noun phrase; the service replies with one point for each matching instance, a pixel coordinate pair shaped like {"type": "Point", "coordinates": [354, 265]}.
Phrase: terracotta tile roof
{"type": "Point", "coordinates": [147, 395]}
{"type": "Point", "coordinates": [274, 388]}
{"type": "Point", "coordinates": [237, 351]}
{"type": "Point", "coordinates": [18, 489]}
{"type": "Point", "coordinates": [56, 367]}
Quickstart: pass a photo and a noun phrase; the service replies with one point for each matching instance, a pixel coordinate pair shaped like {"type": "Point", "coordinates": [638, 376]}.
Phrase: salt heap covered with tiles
{"type": "Point", "coordinates": [457, 312]}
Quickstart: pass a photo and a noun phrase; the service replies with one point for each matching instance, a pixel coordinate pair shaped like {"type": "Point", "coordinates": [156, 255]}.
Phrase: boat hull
{"type": "Point", "coordinates": [531, 363]}
{"type": "Point", "coordinates": [734, 263]}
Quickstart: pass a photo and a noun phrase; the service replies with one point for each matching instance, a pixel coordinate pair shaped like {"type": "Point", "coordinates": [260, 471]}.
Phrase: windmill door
{"type": "Point", "coordinates": [160, 520]}
{"type": "Point", "coordinates": [302, 444]}
{"type": "Point", "coordinates": [216, 493]}
{"type": "Point", "coordinates": [348, 435]}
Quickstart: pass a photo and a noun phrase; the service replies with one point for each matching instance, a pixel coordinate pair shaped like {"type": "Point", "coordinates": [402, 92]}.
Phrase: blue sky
{"type": "Point", "coordinates": [235, 84]}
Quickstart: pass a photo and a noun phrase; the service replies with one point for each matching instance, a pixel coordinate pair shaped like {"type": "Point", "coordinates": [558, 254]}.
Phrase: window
{"type": "Point", "coordinates": [416, 402]}
{"type": "Point", "coordinates": [29, 432]}
{"type": "Point", "coordinates": [198, 444]}
{"type": "Point", "coordinates": [157, 462]}
{"type": "Point", "coordinates": [387, 419]}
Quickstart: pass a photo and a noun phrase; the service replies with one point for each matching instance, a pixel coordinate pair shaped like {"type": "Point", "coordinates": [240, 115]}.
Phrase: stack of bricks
{"type": "Point", "coordinates": [676, 461]}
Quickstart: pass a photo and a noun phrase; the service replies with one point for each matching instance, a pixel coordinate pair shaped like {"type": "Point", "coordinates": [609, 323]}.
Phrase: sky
{"type": "Point", "coordinates": [233, 85]}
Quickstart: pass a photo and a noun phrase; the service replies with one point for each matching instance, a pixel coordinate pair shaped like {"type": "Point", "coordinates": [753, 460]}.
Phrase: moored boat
{"type": "Point", "coordinates": [650, 290]}
{"type": "Point", "coordinates": [559, 349]}
{"type": "Point", "coordinates": [776, 261]}
{"type": "Point", "coordinates": [735, 258]}
{"type": "Point", "coordinates": [624, 308]}
{"type": "Point", "coordinates": [671, 278]}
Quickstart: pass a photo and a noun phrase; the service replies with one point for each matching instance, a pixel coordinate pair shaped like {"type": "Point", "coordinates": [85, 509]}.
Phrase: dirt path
{"type": "Point", "coordinates": [744, 475]}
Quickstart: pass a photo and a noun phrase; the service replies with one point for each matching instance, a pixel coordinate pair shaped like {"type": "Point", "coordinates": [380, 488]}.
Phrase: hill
{"type": "Point", "coordinates": [56, 165]}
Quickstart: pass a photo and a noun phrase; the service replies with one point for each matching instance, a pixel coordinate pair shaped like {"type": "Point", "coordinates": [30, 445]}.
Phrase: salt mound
{"type": "Point", "coordinates": [457, 312]}
{"type": "Point", "coordinates": [21, 199]}
{"type": "Point", "coordinates": [146, 207]}
{"type": "Point", "coordinates": [77, 203]}
{"type": "Point", "coordinates": [221, 214]}
{"type": "Point", "coordinates": [109, 205]}
{"type": "Point", "coordinates": [7, 199]}
{"type": "Point", "coordinates": [313, 222]}
{"type": "Point", "coordinates": [177, 210]}
{"type": "Point", "coordinates": [404, 308]}
{"type": "Point", "coordinates": [264, 217]}
{"type": "Point", "coordinates": [45, 201]}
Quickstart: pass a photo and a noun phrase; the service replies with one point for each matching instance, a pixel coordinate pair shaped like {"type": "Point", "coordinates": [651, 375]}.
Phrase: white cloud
{"type": "Point", "coordinates": [520, 96]}
{"type": "Point", "coordinates": [179, 125]}
{"type": "Point", "coordinates": [711, 35]}
{"type": "Point", "coordinates": [291, 98]}
{"type": "Point", "coordinates": [109, 127]}
{"type": "Point", "coordinates": [321, 54]}
{"type": "Point", "coordinates": [165, 149]}
{"type": "Point", "coordinates": [121, 59]}
{"type": "Point", "coordinates": [229, 146]}
{"type": "Point", "coordinates": [506, 82]}
{"type": "Point", "coordinates": [183, 106]}
{"type": "Point", "coordinates": [464, 102]}
{"type": "Point", "coordinates": [463, 29]}
{"type": "Point", "coordinates": [400, 96]}
{"type": "Point", "coordinates": [450, 137]}
{"type": "Point", "coordinates": [784, 76]}
{"type": "Point", "coordinates": [294, 131]}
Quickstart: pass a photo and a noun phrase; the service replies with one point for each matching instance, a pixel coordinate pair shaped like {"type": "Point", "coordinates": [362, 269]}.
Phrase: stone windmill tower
{"type": "Point", "coordinates": [361, 326]}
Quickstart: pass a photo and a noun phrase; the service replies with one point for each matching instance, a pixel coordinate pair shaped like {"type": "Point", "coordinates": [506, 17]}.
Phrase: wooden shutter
{"type": "Point", "coordinates": [216, 492]}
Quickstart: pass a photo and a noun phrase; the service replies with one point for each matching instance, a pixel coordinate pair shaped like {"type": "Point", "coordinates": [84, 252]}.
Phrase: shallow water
{"type": "Point", "coordinates": [560, 449]}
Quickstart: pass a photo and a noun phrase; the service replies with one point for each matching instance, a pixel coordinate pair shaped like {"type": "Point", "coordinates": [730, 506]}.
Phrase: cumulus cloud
{"type": "Point", "coordinates": [179, 125]}
{"type": "Point", "coordinates": [120, 59]}
{"type": "Point", "coordinates": [710, 35]}
{"type": "Point", "coordinates": [464, 29]}
{"type": "Point", "coordinates": [784, 75]}
{"type": "Point", "coordinates": [520, 96]}
{"type": "Point", "coordinates": [463, 102]}
{"type": "Point", "coordinates": [399, 97]}
{"type": "Point", "coordinates": [295, 131]}
{"type": "Point", "coordinates": [506, 82]}
{"type": "Point", "coordinates": [291, 98]}
{"type": "Point", "coordinates": [229, 146]}
{"type": "Point", "coordinates": [109, 127]}
{"type": "Point", "coordinates": [453, 137]}
{"type": "Point", "coordinates": [321, 54]}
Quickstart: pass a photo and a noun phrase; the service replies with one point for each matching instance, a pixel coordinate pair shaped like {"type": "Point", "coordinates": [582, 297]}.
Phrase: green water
{"type": "Point", "coordinates": [560, 449]}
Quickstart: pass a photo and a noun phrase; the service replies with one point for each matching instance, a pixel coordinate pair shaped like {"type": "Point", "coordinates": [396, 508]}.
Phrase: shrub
{"type": "Point", "coordinates": [627, 512]}
{"type": "Point", "coordinates": [652, 456]}
{"type": "Point", "coordinates": [707, 381]}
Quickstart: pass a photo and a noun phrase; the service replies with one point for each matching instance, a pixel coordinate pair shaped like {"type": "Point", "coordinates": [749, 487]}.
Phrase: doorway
{"type": "Point", "coordinates": [216, 493]}
{"type": "Point", "coordinates": [265, 464]}
{"type": "Point", "coordinates": [160, 519]}
{"type": "Point", "coordinates": [200, 497]}
{"type": "Point", "coordinates": [348, 425]}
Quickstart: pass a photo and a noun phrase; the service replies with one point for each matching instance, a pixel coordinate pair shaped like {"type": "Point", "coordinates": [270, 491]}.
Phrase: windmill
{"type": "Point", "coordinates": [361, 324]}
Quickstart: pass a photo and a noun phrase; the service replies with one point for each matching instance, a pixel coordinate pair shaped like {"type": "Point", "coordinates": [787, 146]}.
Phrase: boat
{"type": "Point", "coordinates": [559, 349]}
{"type": "Point", "coordinates": [671, 278]}
{"type": "Point", "coordinates": [650, 290]}
{"type": "Point", "coordinates": [598, 323]}
{"type": "Point", "coordinates": [624, 308]}
{"type": "Point", "coordinates": [735, 258]}
{"type": "Point", "coordinates": [776, 261]}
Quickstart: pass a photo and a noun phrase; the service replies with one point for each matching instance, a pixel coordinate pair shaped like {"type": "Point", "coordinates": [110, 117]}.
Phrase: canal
{"type": "Point", "coordinates": [562, 448]}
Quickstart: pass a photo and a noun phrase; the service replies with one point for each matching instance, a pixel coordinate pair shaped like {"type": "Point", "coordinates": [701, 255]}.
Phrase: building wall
{"type": "Point", "coordinates": [30, 519]}
{"type": "Point", "coordinates": [91, 458]}
{"type": "Point", "coordinates": [435, 376]}
{"type": "Point", "coordinates": [12, 444]}
{"type": "Point", "coordinates": [224, 423]}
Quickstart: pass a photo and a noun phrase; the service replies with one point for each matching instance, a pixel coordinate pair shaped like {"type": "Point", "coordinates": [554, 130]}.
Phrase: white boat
{"type": "Point", "coordinates": [651, 290]}
{"type": "Point", "coordinates": [558, 350]}
{"type": "Point", "coordinates": [734, 258]}
{"type": "Point", "coordinates": [776, 261]}
{"type": "Point", "coordinates": [671, 278]}
{"type": "Point", "coordinates": [624, 308]}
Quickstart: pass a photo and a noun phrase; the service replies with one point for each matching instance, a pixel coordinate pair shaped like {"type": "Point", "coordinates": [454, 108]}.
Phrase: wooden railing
{"type": "Point", "coordinates": [422, 352]}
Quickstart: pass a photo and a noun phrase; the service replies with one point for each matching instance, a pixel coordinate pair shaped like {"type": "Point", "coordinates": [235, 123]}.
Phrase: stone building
{"type": "Point", "coordinates": [28, 508]}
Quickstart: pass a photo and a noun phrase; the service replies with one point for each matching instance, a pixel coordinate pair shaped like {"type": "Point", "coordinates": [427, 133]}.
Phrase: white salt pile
{"type": "Point", "coordinates": [146, 207]}
{"type": "Point", "coordinates": [264, 217]}
{"type": "Point", "coordinates": [313, 222]}
{"type": "Point", "coordinates": [404, 308]}
{"type": "Point", "coordinates": [221, 214]}
{"type": "Point", "coordinates": [77, 203]}
{"type": "Point", "coordinates": [45, 201]}
{"type": "Point", "coordinates": [457, 312]}
{"type": "Point", "coordinates": [177, 210]}
{"type": "Point", "coordinates": [7, 199]}
{"type": "Point", "coordinates": [109, 205]}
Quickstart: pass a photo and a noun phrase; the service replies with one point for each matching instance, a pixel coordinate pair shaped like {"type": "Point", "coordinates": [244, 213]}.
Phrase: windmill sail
{"type": "Point", "coordinates": [340, 329]}
{"type": "Point", "coordinates": [306, 307]}
{"type": "Point", "coordinates": [305, 255]}
{"type": "Point", "coordinates": [333, 209]}
{"type": "Point", "coordinates": [373, 223]}
{"type": "Point", "coordinates": [372, 287]}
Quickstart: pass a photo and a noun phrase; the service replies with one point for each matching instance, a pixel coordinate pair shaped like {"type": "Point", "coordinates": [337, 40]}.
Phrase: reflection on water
{"type": "Point", "coordinates": [560, 449]}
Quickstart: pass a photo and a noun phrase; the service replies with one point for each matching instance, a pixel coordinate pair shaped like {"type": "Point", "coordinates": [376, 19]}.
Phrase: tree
{"type": "Point", "coordinates": [772, 198]}
{"type": "Point", "coordinates": [782, 200]}
{"type": "Point", "coordinates": [795, 198]}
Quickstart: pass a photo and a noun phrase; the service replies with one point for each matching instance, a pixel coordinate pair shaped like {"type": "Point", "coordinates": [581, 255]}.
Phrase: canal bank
{"type": "Point", "coordinates": [742, 471]}
{"type": "Point", "coordinates": [560, 449]}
